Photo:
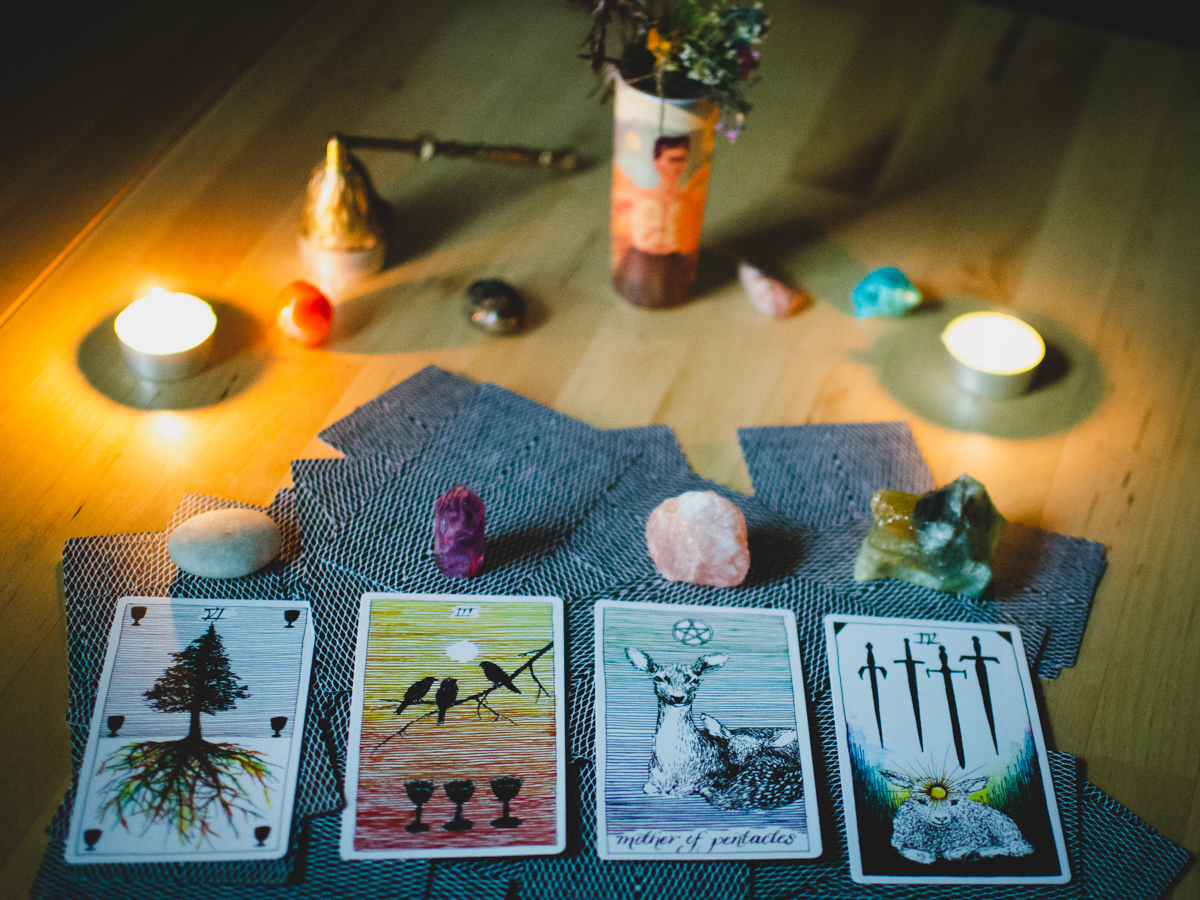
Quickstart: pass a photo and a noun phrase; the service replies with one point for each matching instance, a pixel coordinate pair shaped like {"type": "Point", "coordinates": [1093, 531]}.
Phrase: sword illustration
{"type": "Point", "coordinates": [947, 674]}
{"type": "Point", "coordinates": [872, 668]}
{"type": "Point", "coordinates": [911, 665]}
{"type": "Point", "coordinates": [985, 689]}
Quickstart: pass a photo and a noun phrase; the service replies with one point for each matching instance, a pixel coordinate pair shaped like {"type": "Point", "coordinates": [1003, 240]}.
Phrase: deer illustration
{"type": "Point", "coordinates": [684, 756]}
{"type": "Point", "coordinates": [760, 767]}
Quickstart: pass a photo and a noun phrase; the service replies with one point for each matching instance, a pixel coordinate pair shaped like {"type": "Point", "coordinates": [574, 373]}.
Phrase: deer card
{"type": "Point", "coordinates": [195, 739]}
{"type": "Point", "coordinates": [702, 743]}
{"type": "Point", "coordinates": [944, 772]}
{"type": "Point", "coordinates": [456, 745]}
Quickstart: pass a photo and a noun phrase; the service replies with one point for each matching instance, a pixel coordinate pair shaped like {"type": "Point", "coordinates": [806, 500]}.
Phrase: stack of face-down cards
{"type": "Point", "coordinates": [194, 745]}
{"type": "Point", "coordinates": [944, 772]}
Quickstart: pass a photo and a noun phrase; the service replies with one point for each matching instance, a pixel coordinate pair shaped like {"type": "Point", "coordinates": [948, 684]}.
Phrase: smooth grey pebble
{"type": "Point", "coordinates": [225, 543]}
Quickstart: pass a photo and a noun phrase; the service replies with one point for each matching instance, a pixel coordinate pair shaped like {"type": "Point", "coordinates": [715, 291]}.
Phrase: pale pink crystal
{"type": "Point", "coordinates": [699, 537]}
{"type": "Point", "coordinates": [768, 295]}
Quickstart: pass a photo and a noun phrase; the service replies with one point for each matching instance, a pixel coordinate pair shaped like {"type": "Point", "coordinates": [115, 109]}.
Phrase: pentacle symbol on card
{"type": "Point", "coordinates": [692, 632]}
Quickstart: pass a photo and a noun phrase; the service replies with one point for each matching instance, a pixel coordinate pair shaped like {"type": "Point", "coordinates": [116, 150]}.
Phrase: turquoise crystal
{"type": "Point", "coordinates": [884, 292]}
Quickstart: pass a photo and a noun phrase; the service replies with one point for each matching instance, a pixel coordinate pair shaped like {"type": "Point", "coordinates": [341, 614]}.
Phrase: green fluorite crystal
{"type": "Point", "coordinates": [942, 540]}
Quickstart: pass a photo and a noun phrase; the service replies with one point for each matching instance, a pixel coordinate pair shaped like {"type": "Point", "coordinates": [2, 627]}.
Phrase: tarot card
{"type": "Point", "coordinates": [457, 744]}
{"type": "Point", "coordinates": [702, 742]}
{"type": "Point", "coordinates": [195, 740]}
{"type": "Point", "coordinates": [943, 765]}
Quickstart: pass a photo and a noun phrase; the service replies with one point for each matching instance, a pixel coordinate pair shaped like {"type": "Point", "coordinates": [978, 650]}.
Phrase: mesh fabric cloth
{"type": "Point", "coordinates": [822, 476]}
{"type": "Point", "coordinates": [567, 506]}
{"type": "Point", "coordinates": [97, 572]}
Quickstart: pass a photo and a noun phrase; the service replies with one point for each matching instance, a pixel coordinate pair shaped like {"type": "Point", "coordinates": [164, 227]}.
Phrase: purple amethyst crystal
{"type": "Point", "coordinates": [458, 532]}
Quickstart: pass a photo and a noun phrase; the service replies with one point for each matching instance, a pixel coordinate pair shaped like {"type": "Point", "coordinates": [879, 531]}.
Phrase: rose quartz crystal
{"type": "Point", "coordinates": [768, 295]}
{"type": "Point", "coordinates": [699, 537]}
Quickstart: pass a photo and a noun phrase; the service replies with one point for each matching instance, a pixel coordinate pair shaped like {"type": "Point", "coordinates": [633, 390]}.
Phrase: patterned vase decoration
{"type": "Point", "coordinates": [661, 164]}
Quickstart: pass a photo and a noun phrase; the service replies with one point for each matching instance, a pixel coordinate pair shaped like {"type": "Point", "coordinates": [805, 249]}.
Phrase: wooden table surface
{"type": "Point", "coordinates": [1026, 163]}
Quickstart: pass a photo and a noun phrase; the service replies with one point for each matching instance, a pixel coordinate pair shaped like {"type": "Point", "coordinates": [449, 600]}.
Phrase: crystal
{"type": "Point", "coordinates": [768, 295]}
{"type": "Point", "coordinates": [306, 314]}
{"type": "Point", "coordinates": [458, 532]}
{"type": "Point", "coordinates": [943, 540]}
{"type": "Point", "coordinates": [884, 292]}
{"type": "Point", "coordinates": [495, 306]}
{"type": "Point", "coordinates": [699, 537]}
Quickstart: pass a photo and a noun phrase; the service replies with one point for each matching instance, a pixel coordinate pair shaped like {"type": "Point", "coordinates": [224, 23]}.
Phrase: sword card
{"type": "Point", "coordinates": [943, 765]}
{"type": "Point", "coordinates": [456, 731]}
{"type": "Point", "coordinates": [702, 742]}
{"type": "Point", "coordinates": [195, 739]}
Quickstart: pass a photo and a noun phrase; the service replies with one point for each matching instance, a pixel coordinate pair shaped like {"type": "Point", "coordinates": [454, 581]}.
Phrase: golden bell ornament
{"type": "Point", "coordinates": [341, 238]}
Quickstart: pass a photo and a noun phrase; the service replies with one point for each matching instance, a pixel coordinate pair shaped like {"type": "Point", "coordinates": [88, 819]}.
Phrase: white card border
{"type": "Point", "coordinates": [799, 691]}
{"type": "Point", "coordinates": [349, 815]}
{"type": "Point", "coordinates": [82, 781]}
{"type": "Point", "coordinates": [844, 776]}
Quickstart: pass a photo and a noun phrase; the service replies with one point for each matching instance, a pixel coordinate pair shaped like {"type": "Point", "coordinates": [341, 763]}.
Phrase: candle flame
{"type": "Point", "coordinates": [994, 342]}
{"type": "Point", "coordinates": [162, 323]}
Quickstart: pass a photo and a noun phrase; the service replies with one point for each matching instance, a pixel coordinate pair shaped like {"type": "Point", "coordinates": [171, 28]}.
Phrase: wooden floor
{"type": "Point", "coordinates": [995, 157]}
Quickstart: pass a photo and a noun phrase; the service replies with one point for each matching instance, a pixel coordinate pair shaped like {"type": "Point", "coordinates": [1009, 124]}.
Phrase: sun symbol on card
{"type": "Point", "coordinates": [692, 632]}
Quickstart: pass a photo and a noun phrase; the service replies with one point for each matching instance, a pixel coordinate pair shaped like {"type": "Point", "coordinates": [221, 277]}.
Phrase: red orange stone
{"type": "Point", "coordinates": [306, 314]}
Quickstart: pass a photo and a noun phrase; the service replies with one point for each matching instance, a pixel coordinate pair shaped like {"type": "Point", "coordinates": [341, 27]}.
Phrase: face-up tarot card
{"type": "Point", "coordinates": [702, 743]}
{"type": "Point", "coordinates": [943, 765]}
{"type": "Point", "coordinates": [195, 739]}
{"type": "Point", "coordinates": [456, 730]}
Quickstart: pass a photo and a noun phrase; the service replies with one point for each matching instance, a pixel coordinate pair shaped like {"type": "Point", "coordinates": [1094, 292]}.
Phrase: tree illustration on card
{"type": "Point", "coordinates": [190, 784]}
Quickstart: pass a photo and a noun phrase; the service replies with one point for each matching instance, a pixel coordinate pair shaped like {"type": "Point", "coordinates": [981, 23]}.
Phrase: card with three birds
{"type": "Point", "coordinates": [943, 765]}
{"type": "Point", "coordinates": [457, 731]}
{"type": "Point", "coordinates": [195, 736]}
{"type": "Point", "coordinates": [702, 739]}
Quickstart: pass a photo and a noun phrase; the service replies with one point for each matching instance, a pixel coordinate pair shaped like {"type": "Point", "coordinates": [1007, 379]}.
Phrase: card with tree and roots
{"type": "Point", "coordinates": [195, 736]}
{"type": "Point", "coordinates": [457, 744]}
{"type": "Point", "coordinates": [702, 741]}
{"type": "Point", "coordinates": [943, 765]}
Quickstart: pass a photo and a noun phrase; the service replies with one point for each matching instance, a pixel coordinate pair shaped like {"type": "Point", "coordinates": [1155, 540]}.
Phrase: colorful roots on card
{"type": "Point", "coordinates": [191, 782]}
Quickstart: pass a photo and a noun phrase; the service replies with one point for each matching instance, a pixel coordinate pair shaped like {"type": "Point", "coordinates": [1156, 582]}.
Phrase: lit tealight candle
{"type": "Point", "coordinates": [166, 336]}
{"type": "Point", "coordinates": [992, 353]}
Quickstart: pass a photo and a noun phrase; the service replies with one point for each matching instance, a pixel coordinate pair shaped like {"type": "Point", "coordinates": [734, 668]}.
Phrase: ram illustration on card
{"type": "Point", "coordinates": [456, 736]}
{"type": "Point", "coordinates": [943, 765]}
{"type": "Point", "coordinates": [195, 738]}
{"type": "Point", "coordinates": [703, 748]}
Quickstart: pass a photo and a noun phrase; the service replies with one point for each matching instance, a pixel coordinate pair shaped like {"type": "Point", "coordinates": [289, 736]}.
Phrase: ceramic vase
{"type": "Point", "coordinates": [662, 157]}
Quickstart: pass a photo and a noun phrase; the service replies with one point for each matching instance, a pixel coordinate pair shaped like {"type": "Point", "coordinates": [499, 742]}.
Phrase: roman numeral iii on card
{"type": "Point", "coordinates": [944, 772]}
{"type": "Point", "coordinates": [195, 738]}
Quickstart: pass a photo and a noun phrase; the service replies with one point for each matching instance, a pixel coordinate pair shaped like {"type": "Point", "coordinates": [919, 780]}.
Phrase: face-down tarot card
{"type": "Point", "coordinates": [702, 742]}
{"type": "Point", "coordinates": [456, 731]}
{"type": "Point", "coordinates": [944, 771]}
{"type": "Point", "coordinates": [195, 739]}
